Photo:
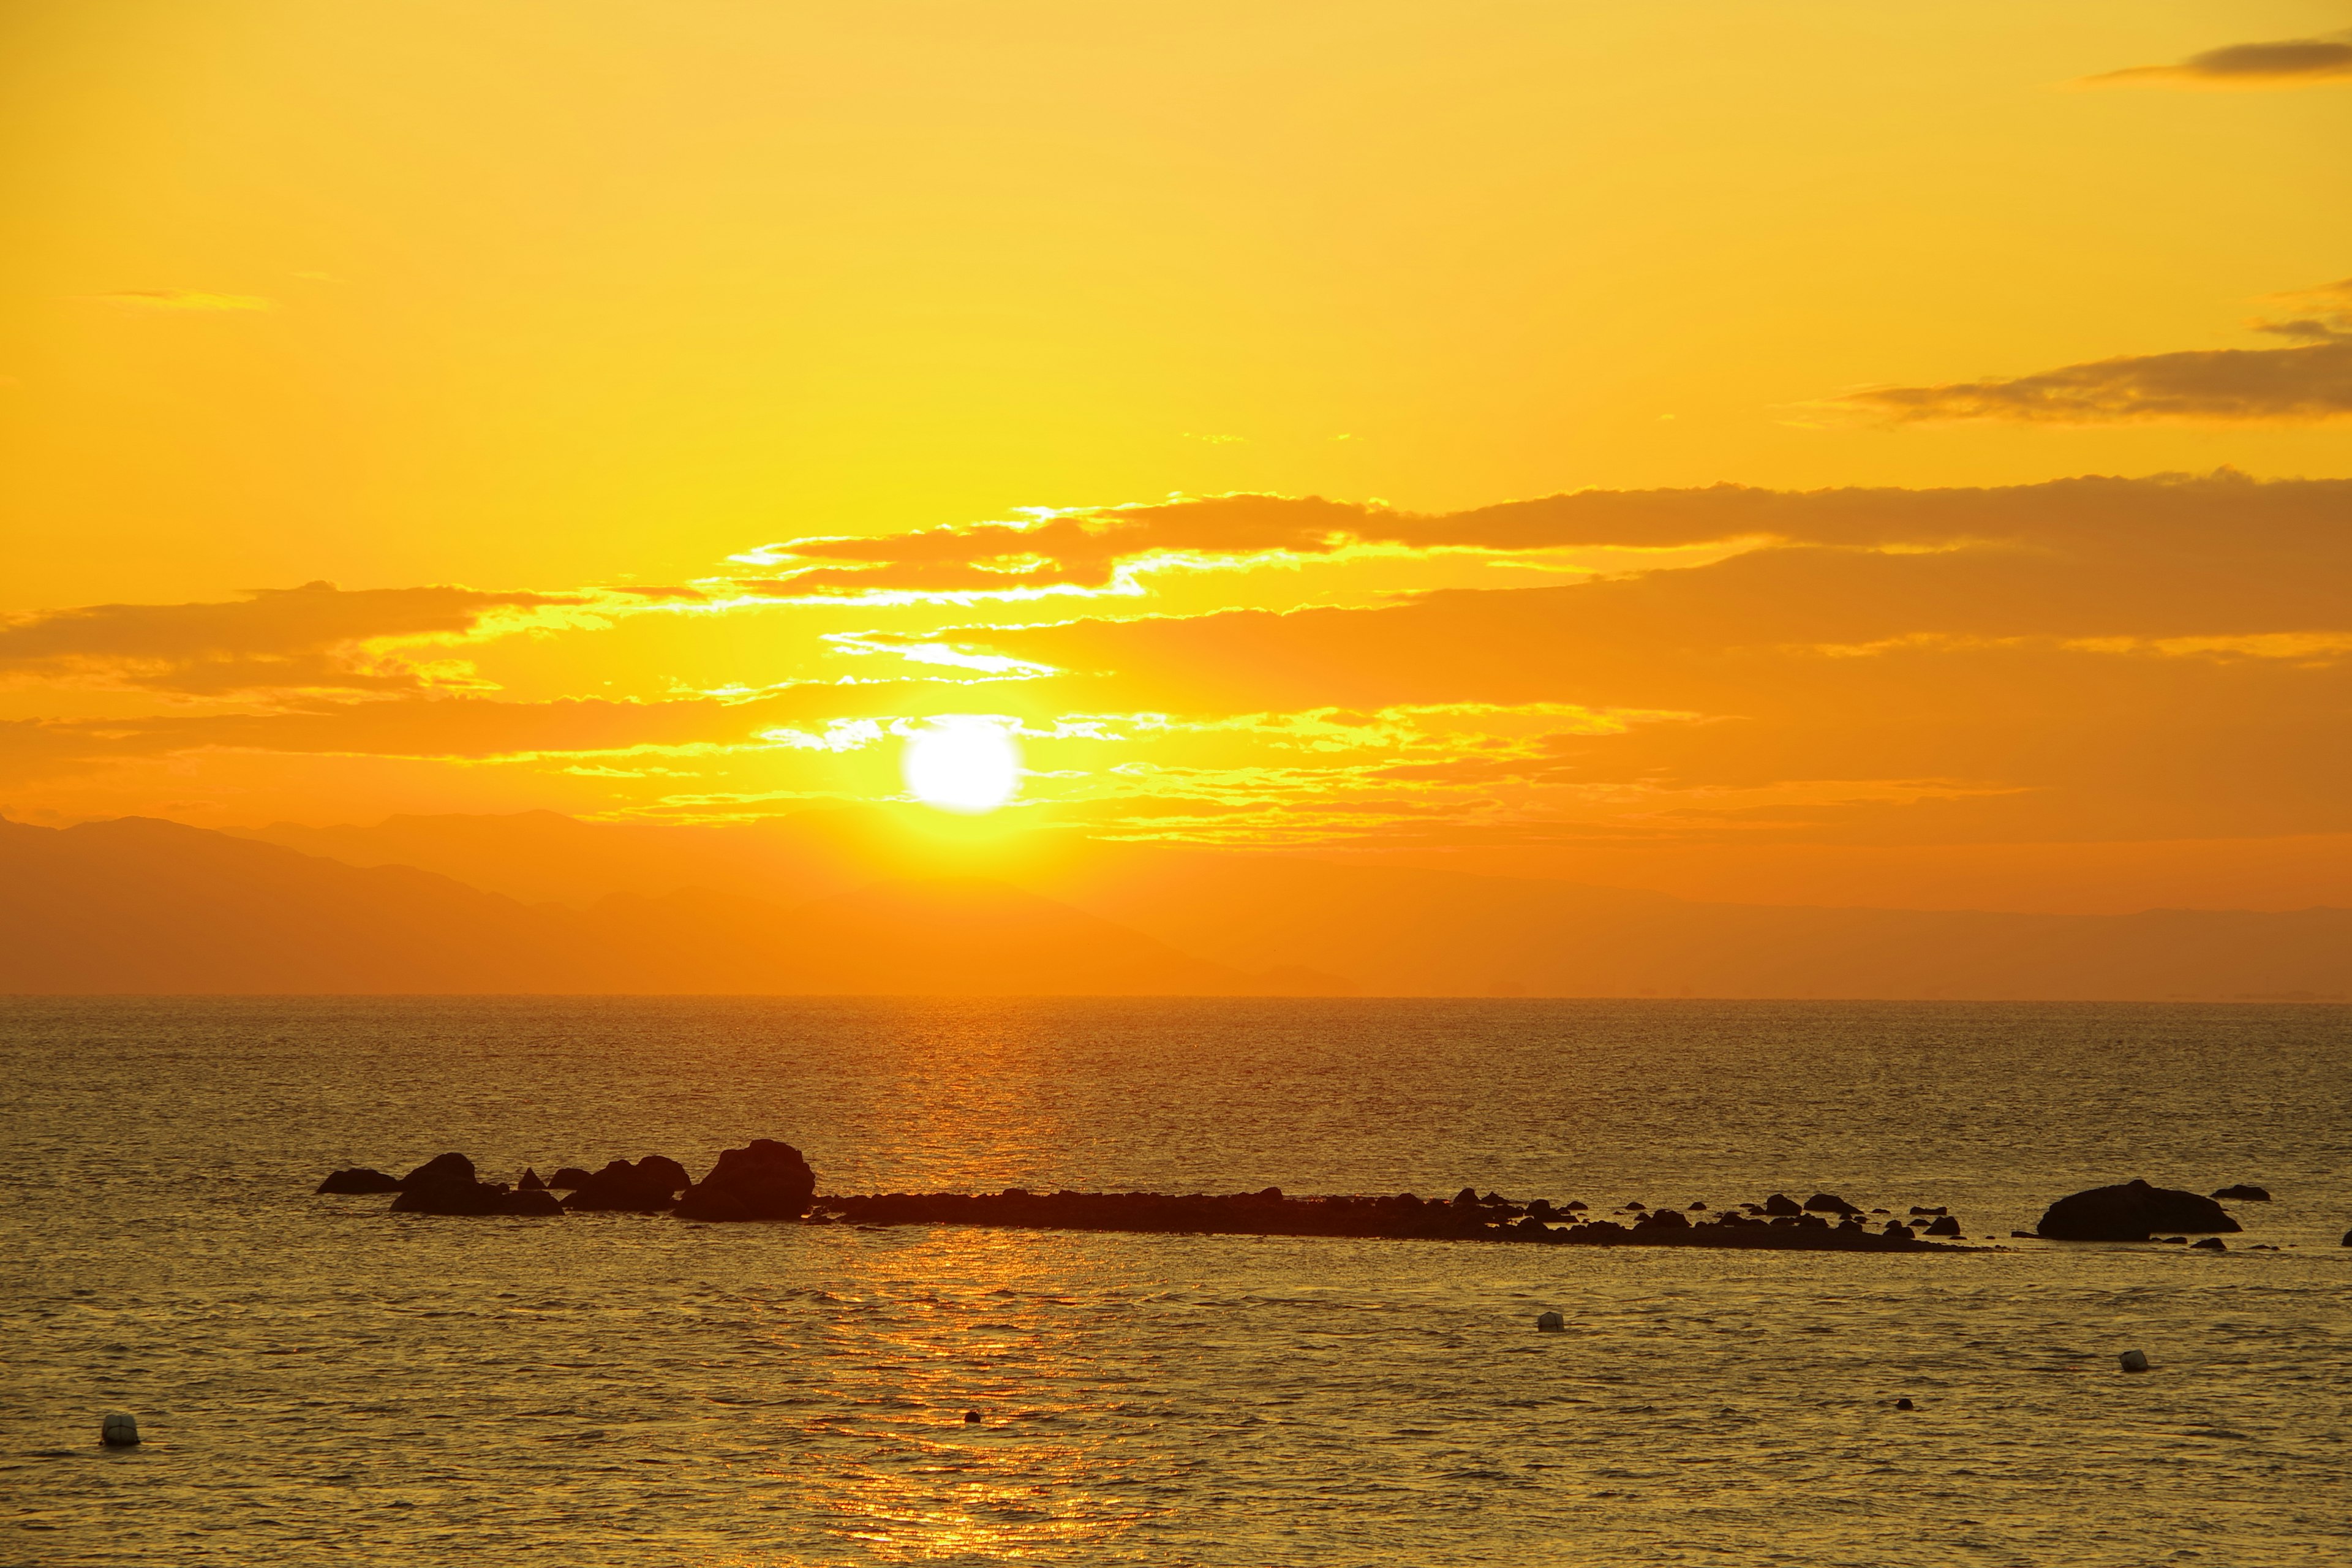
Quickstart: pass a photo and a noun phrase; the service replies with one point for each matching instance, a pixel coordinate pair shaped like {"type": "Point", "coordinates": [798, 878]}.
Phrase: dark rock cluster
{"type": "Point", "coordinates": [2131, 1211]}
{"type": "Point", "coordinates": [1467, 1217]}
{"type": "Point", "coordinates": [446, 1184]}
{"type": "Point", "coordinates": [767, 1180]}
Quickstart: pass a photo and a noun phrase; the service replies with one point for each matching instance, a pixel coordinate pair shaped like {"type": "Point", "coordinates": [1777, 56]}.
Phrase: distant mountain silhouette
{"type": "Point", "coordinates": [829, 902]}
{"type": "Point", "coordinates": [141, 905]}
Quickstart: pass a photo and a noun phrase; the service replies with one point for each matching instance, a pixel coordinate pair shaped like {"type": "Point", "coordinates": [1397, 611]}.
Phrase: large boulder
{"type": "Point", "coordinates": [445, 1184]}
{"type": "Point", "coordinates": [662, 1168]}
{"type": "Point", "coordinates": [440, 1169]}
{"type": "Point", "coordinates": [536, 1202]}
{"type": "Point", "coordinates": [2131, 1212]}
{"type": "Point", "coordinates": [359, 1179]}
{"type": "Point", "coordinates": [766, 1180]}
{"type": "Point", "coordinates": [624, 1188]}
{"type": "Point", "coordinates": [1829, 1203]}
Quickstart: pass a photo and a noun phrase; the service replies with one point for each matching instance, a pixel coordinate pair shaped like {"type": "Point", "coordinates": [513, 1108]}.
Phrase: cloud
{"type": "Point", "coordinates": [315, 637]}
{"type": "Point", "coordinates": [1094, 552]}
{"type": "Point", "coordinates": [2102, 658]}
{"type": "Point", "coordinates": [2311, 381]}
{"type": "Point", "coordinates": [2088, 659]}
{"type": "Point", "coordinates": [2287, 62]}
{"type": "Point", "coordinates": [2327, 314]}
{"type": "Point", "coordinates": [178, 299]}
{"type": "Point", "coordinates": [471, 729]}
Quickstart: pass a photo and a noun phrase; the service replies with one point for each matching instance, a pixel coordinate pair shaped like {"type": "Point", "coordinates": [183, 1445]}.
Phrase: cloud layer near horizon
{"type": "Point", "coordinates": [2086, 660]}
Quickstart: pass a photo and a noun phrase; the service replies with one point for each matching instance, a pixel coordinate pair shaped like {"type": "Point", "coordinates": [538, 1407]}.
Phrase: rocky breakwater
{"type": "Point", "coordinates": [1403, 1216]}
{"type": "Point", "coordinates": [763, 1181]}
{"type": "Point", "coordinates": [2132, 1211]}
{"type": "Point", "coordinates": [446, 1184]}
{"type": "Point", "coordinates": [766, 1180]}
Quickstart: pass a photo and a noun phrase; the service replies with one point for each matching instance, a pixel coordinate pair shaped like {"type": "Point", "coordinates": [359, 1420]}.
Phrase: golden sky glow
{"type": "Point", "coordinates": [1302, 425]}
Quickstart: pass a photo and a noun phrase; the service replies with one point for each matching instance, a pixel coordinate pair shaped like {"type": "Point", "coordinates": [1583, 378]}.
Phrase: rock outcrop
{"type": "Point", "coordinates": [441, 1168]}
{"type": "Point", "coordinates": [2245, 1193]}
{"type": "Point", "coordinates": [359, 1179]}
{"type": "Point", "coordinates": [765, 1180]}
{"type": "Point", "coordinates": [662, 1168]}
{"type": "Point", "coordinates": [445, 1185]}
{"type": "Point", "coordinates": [622, 1187]}
{"type": "Point", "coordinates": [1829, 1203]}
{"type": "Point", "coordinates": [1402, 1216]}
{"type": "Point", "coordinates": [2131, 1212]}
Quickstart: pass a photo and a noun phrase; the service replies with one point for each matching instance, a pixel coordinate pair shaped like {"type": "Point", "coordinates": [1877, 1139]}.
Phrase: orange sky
{"type": "Point", "coordinates": [687, 401]}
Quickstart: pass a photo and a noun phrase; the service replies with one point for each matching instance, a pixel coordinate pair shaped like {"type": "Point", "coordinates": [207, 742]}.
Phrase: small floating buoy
{"type": "Point", "coordinates": [2134, 1360]}
{"type": "Point", "coordinates": [119, 1431]}
{"type": "Point", "coordinates": [972, 1418]}
{"type": "Point", "coordinates": [1905, 1405]}
{"type": "Point", "coordinates": [1551, 1322]}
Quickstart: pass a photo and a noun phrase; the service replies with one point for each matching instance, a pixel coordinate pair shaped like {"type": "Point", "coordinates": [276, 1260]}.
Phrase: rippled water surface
{"type": "Point", "coordinates": [320, 1382]}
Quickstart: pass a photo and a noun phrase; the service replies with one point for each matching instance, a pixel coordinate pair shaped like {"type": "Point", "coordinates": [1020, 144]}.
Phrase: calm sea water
{"type": "Point", "coordinates": [320, 1382]}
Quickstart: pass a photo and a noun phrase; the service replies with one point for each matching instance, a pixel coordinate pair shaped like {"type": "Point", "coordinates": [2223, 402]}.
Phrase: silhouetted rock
{"type": "Point", "coordinates": [445, 1184]}
{"type": "Point", "coordinates": [1395, 1217]}
{"type": "Point", "coordinates": [661, 1168]}
{"type": "Point", "coordinates": [1946, 1226]}
{"type": "Point", "coordinates": [1829, 1203]}
{"type": "Point", "coordinates": [2210, 1243]}
{"type": "Point", "coordinates": [440, 1168]}
{"type": "Point", "coordinates": [1916, 1210]}
{"type": "Point", "coordinates": [2348, 1239]}
{"type": "Point", "coordinates": [1782, 1204]}
{"type": "Point", "coordinates": [359, 1179]}
{"type": "Point", "coordinates": [624, 1188]}
{"type": "Point", "coordinates": [568, 1178]}
{"type": "Point", "coordinates": [767, 1180]}
{"type": "Point", "coordinates": [538, 1202]}
{"type": "Point", "coordinates": [530, 1181]}
{"type": "Point", "coordinates": [2129, 1212]}
{"type": "Point", "coordinates": [2245, 1193]}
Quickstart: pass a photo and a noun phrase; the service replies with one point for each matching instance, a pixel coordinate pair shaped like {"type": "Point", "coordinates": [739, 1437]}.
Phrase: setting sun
{"type": "Point", "coordinates": [962, 764]}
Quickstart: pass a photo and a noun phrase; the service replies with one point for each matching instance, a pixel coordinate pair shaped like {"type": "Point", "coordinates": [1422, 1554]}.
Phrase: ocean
{"type": "Point", "coordinates": [321, 1382]}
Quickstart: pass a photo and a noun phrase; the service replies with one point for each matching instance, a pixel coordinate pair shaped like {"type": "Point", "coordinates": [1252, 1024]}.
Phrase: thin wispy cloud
{"type": "Point", "coordinates": [2283, 62]}
{"type": "Point", "coordinates": [177, 300]}
{"type": "Point", "coordinates": [316, 638]}
{"type": "Point", "coordinates": [2312, 380]}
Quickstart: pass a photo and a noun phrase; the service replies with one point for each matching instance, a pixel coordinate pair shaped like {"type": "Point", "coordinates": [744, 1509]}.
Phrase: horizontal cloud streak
{"type": "Point", "coordinates": [2312, 381]}
{"type": "Point", "coordinates": [313, 638]}
{"type": "Point", "coordinates": [2285, 62]}
{"type": "Point", "coordinates": [179, 299]}
{"type": "Point", "coordinates": [1091, 550]}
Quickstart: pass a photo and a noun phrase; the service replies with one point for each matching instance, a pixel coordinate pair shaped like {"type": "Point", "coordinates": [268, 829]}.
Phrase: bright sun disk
{"type": "Point", "coordinates": [963, 764]}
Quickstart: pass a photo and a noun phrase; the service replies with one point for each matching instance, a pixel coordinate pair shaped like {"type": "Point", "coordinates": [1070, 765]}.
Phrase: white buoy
{"type": "Point", "coordinates": [2134, 1360]}
{"type": "Point", "coordinates": [120, 1431]}
{"type": "Point", "coordinates": [1552, 1323]}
